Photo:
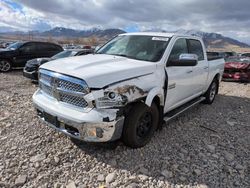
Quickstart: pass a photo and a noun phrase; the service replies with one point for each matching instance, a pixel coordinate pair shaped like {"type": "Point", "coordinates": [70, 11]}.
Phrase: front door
{"type": "Point", "coordinates": [26, 52]}
{"type": "Point", "coordinates": [180, 78]}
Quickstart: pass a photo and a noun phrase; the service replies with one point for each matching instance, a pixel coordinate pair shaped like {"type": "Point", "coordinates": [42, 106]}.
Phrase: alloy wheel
{"type": "Point", "coordinates": [213, 91]}
{"type": "Point", "coordinates": [4, 66]}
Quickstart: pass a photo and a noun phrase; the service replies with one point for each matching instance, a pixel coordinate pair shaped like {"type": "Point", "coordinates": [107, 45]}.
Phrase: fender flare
{"type": "Point", "coordinates": [218, 75]}
{"type": "Point", "coordinates": [157, 91]}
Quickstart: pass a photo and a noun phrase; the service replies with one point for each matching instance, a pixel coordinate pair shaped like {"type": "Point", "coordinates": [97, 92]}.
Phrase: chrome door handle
{"type": "Point", "coordinates": [205, 67]}
{"type": "Point", "coordinates": [189, 71]}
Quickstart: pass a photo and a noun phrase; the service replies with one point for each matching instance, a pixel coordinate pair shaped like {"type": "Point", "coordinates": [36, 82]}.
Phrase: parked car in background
{"type": "Point", "coordinates": [17, 54]}
{"type": "Point", "coordinates": [221, 54]}
{"type": "Point", "coordinates": [228, 54]}
{"type": "Point", "coordinates": [237, 69]}
{"type": "Point", "coordinates": [214, 55]}
{"type": "Point", "coordinates": [75, 46]}
{"type": "Point", "coordinates": [127, 87]}
{"type": "Point", "coordinates": [31, 68]}
{"type": "Point", "coordinates": [5, 44]}
{"type": "Point", "coordinates": [245, 55]}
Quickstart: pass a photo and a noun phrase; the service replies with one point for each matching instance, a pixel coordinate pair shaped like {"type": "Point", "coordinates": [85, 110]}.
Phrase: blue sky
{"type": "Point", "coordinates": [13, 4]}
{"type": "Point", "coordinates": [228, 17]}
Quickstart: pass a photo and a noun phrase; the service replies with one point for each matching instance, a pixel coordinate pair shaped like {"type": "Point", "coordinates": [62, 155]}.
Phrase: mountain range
{"type": "Point", "coordinates": [212, 40]}
{"type": "Point", "coordinates": [69, 33]}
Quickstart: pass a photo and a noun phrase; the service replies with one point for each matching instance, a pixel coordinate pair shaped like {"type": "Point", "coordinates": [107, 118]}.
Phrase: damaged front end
{"type": "Point", "coordinates": [101, 118]}
{"type": "Point", "coordinates": [237, 69]}
{"type": "Point", "coordinates": [115, 97]}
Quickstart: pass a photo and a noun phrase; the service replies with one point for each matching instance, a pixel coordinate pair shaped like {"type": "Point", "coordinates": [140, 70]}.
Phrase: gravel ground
{"type": "Point", "coordinates": [208, 146]}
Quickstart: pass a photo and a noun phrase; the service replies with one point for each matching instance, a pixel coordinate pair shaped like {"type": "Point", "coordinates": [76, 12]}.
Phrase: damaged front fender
{"type": "Point", "coordinates": [122, 93]}
{"type": "Point", "coordinates": [132, 92]}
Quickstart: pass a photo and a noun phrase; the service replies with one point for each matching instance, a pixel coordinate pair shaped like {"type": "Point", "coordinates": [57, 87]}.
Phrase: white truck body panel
{"type": "Point", "coordinates": [101, 70]}
{"type": "Point", "coordinates": [133, 79]}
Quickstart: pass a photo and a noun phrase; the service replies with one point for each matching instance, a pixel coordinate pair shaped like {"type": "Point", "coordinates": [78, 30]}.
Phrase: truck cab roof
{"type": "Point", "coordinates": [160, 34]}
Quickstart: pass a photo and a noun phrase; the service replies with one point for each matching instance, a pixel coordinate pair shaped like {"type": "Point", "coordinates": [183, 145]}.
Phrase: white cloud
{"type": "Point", "coordinates": [225, 17]}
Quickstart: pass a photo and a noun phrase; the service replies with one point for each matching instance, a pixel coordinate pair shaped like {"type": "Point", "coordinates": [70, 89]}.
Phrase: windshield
{"type": "Point", "coordinates": [66, 53]}
{"type": "Point", "coordinates": [147, 48]}
{"type": "Point", "coordinates": [15, 45]}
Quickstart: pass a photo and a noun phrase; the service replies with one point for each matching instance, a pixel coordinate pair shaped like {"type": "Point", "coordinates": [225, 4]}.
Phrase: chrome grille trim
{"type": "Point", "coordinates": [70, 86]}
{"type": "Point", "coordinates": [63, 88]}
{"type": "Point", "coordinates": [74, 100]}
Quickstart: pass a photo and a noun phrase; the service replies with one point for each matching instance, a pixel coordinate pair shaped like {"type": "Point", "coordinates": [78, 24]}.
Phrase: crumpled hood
{"type": "Point", "coordinates": [99, 70]}
{"type": "Point", "coordinates": [237, 65]}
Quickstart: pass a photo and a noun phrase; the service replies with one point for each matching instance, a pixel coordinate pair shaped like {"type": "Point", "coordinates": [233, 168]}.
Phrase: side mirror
{"type": "Point", "coordinates": [184, 60]}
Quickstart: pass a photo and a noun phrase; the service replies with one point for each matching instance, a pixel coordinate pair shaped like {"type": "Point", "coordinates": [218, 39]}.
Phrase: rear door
{"type": "Point", "coordinates": [44, 50]}
{"type": "Point", "coordinates": [48, 49]}
{"type": "Point", "coordinates": [200, 71]}
{"type": "Point", "coordinates": [180, 78]}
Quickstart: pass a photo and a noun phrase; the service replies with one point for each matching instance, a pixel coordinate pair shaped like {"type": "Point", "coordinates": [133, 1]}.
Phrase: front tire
{"type": "Point", "coordinates": [140, 125]}
{"type": "Point", "coordinates": [211, 92]}
{"type": "Point", "coordinates": [5, 65]}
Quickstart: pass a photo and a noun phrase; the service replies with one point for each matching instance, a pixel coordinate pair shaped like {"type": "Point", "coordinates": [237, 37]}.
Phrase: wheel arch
{"type": "Point", "coordinates": [157, 95]}
{"type": "Point", "coordinates": [7, 59]}
{"type": "Point", "coordinates": [217, 77]}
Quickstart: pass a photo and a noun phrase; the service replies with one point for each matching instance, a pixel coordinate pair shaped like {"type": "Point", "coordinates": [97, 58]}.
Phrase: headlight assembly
{"type": "Point", "coordinates": [111, 99]}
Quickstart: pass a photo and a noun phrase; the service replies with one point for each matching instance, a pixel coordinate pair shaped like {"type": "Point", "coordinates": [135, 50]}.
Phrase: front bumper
{"type": "Point", "coordinates": [90, 126]}
{"type": "Point", "coordinates": [31, 75]}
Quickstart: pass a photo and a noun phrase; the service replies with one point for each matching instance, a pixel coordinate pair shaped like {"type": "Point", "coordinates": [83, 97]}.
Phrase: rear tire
{"type": "Point", "coordinates": [5, 65]}
{"type": "Point", "coordinates": [211, 92]}
{"type": "Point", "coordinates": [140, 125]}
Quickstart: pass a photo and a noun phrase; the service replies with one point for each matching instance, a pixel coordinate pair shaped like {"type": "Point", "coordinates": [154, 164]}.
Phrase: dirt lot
{"type": "Point", "coordinates": [208, 146]}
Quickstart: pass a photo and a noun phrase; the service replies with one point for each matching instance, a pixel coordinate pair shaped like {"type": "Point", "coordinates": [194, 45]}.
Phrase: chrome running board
{"type": "Point", "coordinates": [172, 114]}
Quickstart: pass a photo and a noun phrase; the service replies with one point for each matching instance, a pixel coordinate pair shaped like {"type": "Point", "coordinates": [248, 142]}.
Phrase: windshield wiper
{"type": "Point", "coordinates": [122, 55]}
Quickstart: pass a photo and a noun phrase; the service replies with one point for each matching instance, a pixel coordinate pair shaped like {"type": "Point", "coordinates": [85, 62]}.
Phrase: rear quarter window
{"type": "Point", "coordinates": [49, 47]}
{"type": "Point", "coordinates": [57, 47]}
{"type": "Point", "coordinates": [195, 47]}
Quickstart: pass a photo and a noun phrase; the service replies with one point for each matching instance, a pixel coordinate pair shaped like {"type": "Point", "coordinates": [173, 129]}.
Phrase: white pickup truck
{"type": "Point", "coordinates": [127, 88]}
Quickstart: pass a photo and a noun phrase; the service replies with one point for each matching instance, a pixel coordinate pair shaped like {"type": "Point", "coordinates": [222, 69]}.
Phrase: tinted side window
{"type": "Point", "coordinates": [180, 47]}
{"type": "Point", "coordinates": [59, 48]}
{"type": "Point", "coordinates": [48, 47]}
{"type": "Point", "coordinates": [42, 46]}
{"type": "Point", "coordinates": [29, 48]}
{"type": "Point", "coordinates": [55, 47]}
{"type": "Point", "coordinates": [51, 47]}
{"type": "Point", "coordinates": [195, 47]}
